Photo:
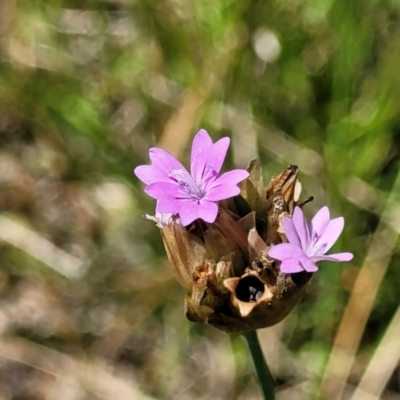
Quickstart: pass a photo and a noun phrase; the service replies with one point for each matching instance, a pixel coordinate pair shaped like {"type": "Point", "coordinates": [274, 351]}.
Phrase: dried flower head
{"type": "Point", "coordinates": [225, 243]}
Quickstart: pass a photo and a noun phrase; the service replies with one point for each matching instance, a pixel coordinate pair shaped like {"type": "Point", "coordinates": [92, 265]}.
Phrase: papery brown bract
{"type": "Point", "coordinates": [230, 282]}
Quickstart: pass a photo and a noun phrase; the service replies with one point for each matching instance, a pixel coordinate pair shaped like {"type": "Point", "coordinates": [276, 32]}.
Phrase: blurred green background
{"type": "Point", "coordinates": [89, 308]}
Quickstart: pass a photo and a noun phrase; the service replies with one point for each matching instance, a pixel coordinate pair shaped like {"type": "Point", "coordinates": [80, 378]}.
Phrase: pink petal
{"type": "Point", "coordinates": [225, 186]}
{"type": "Point", "coordinates": [308, 265]}
{"type": "Point", "coordinates": [170, 205]}
{"type": "Point", "coordinates": [338, 257]}
{"type": "Point", "coordinates": [285, 251]}
{"type": "Point", "coordinates": [290, 231]}
{"type": "Point", "coordinates": [222, 192]}
{"type": "Point", "coordinates": [301, 226]}
{"type": "Point", "coordinates": [148, 174]}
{"type": "Point", "coordinates": [331, 233]}
{"type": "Point", "coordinates": [201, 148]}
{"type": "Point", "coordinates": [164, 161]}
{"type": "Point", "coordinates": [192, 210]}
{"type": "Point", "coordinates": [162, 190]}
{"type": "Point", "coordinates": [218, 153]}
{"type": "Point", "coordinates": [291, 266]}
{"type": "Point", "coordinates": [320, 221]}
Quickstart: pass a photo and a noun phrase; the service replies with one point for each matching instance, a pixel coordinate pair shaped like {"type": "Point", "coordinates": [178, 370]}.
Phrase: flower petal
{"type": "Point", "coordinates": [331, 234]}
{"type": "Point", "coordinates": [225, 186]}
{"type": "Point", "coordinates": [291, 266]}
{"type": "Point", "coordinates": [285, 251]}
{"type": "Point", "coordinates": [163, 164]}
{"type": "Point", "coordinates": [308, 265]}
{"type": "Point", "coordinates": [293, 258]}
{"type": "Point", "coordinates": [301, 226]}
{"type": "Point", "coordinates": [338, 257]}
{"type": "Point", "coordinates": [169, 205]}
{"type": "Point", "coordinates": [201, 148]}
{"type": "Point", "coordinates": [320, 221]}
{"type": "Point", "coordinates": [163, 190]}
{"type": "Point", "coordinates": [192, 210]}
{"type": "Point", "coordinates": [148, 174]}
{"type": "Point", "coordinates": [164, 161]}
{"type": "Point", "coordinates": [218, 153]}
{"type": "Point", "coordinates": [290, 232]}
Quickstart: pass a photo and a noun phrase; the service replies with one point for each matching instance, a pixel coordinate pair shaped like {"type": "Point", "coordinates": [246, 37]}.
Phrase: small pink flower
{"type": "Point", "coordinates": [195, 195]}
{"type": "Point", "coordinates": [308, 244]}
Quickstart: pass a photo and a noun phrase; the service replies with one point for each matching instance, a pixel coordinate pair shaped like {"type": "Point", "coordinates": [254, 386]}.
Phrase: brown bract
{"type": "Point", "coordinates": [229, 280]}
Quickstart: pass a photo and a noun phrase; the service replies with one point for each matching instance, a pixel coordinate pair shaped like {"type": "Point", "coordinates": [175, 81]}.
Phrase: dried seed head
{"type": "Point", "coordinates": [229, 280]}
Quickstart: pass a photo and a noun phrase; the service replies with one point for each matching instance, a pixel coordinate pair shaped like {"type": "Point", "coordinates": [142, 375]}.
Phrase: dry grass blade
{"type": "Point", "coordinates": [273, 141]}
{"type": "Point", "coordinates": [360, 303]}
{"type": "Point", "coordinates": [382, 364]}
{"type": "Point", "coordinates": [181, 124]}
{"type": "Point", "coordinates": [40, 248]}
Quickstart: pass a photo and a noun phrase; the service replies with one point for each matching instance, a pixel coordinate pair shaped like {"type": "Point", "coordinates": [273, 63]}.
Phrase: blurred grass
{"type": "Point", "coordinates": [89, 308]}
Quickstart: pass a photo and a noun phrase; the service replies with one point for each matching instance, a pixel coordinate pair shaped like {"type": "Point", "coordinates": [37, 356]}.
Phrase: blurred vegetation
{"type": "Point", "coordinates": [89, 308]}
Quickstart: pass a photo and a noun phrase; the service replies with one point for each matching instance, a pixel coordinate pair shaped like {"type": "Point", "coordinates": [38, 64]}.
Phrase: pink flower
{"type": "Point", "coordinates": [308, 244]}
{"type": "Point", "coordinates": [195, 195]}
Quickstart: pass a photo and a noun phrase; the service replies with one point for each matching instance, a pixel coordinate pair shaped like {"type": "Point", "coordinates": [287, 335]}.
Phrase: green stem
{"type": "Point", "coordinates": [264, 377]}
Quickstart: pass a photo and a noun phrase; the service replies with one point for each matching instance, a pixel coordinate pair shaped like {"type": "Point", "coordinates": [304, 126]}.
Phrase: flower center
{"type": "Point", "coordinates": [186, 182]}
{"type": "Point", "coordinates": [192, 190]}
{"type": "Point", "coordinates": [315, 247]}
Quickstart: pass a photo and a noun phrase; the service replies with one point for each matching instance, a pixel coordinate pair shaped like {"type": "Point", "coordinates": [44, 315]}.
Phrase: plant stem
{"type": "Point", "coordinates": [264, 377]}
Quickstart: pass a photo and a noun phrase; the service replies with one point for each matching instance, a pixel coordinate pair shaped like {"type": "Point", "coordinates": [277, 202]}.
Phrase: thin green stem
{"type": "Point", "coordinates": [264, 377]}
